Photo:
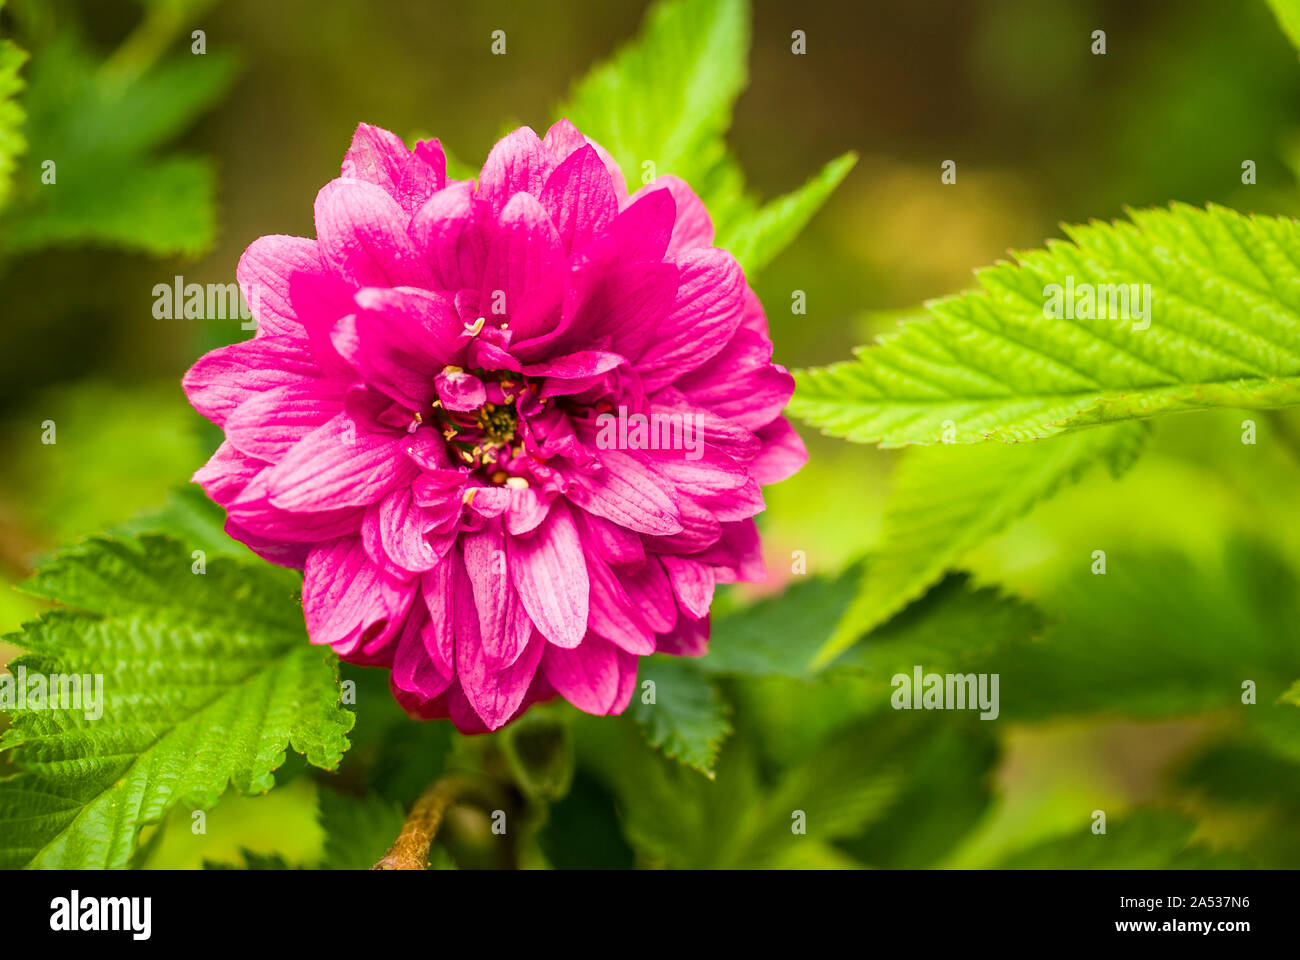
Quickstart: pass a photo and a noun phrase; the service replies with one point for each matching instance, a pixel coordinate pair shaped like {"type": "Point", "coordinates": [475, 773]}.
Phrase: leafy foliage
{"type": "Point", "coordinates": [946, 501]}
{"type": "Point", "coordinates": [952, 623]}
{"type": "Point", "coordinates": [207, 679]}
{"type": "Point", "coordinates": [1144, 840]}
{"type": "Point", "coordinates": [12, 142]}
{"type": "Point", "coordinates": [1224, 319]}
{"type": "Point", "coordinates": [666, 99]}
{"type": "Point", "coordinates": [1160, 636]}
{"type": "Point", "coordinates": [358, 830]}
{"type": "Point", "coordinates": [102, 123]}
{"type": "Point", "coordinates": [688, 719]}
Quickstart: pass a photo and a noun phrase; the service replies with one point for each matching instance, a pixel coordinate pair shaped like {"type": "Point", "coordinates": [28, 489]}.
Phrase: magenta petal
{"type": "Point", "coordinates": [224, 378]}
{"type": "Point", "coordinates": [550, 574]}
{"type": "Point", "coordinates": [347, 602]}
{"type": "Point", "coordinates": [579, 196]}
{"type": "Point", "coordinates": [524, 250]}
{"type": "Point", "coordinates": [227, 473]}
{"type": "Point", "coordinates": [613, 615]}
{"type": "Point", "coordinates": [741, 383]}
{"type": "Point", "coordinates": [587, 676]}
{"type": "Point", "coordinates": [641, 231]}
{"type": "Point", "coordinates": [652, 595]}
{"type": "Point", "coordinates": [448, 231]}
{"type": "Point", "coordinates": [692, 582]}
{"type": "Point", "coordinates": [690, 638]}
{"type": "Point", "coordinates": [527, 509]}
{"type": "Point", "coordinates": [737, 555]}
{"type": "Point", "coordinates": [403, 337]}
{"type": "Point", "coordinates": [413, 669]}
{"type": "Point", "coordinates": [783, 452]}
{"type": "Point", "coordinates": [401, 525]}
{"type": "Point", "coordinates": [706, 314]}
{"type": "Point", "coordinates": [376, 156]}
{"type": "Point", "coordinates": [362, 235]}
{"type": "Point", "coordinates": [563, 138]}
{"type": "Point", "coordinates": [494, 693]}
{"type": "Point", "coordinates": [425, 175]}
{"type": "Point", "coordinates": [612, 543]}
{"type": "Point", "coordinates": [692, 228]}
{"type": "Point", "coordinates": [267, 425]}
{"type": "Point", "coordinates": [628, 492]}
{"type": "Point", "coordinates": [517, 164]}
{"type": "Point", "coordinates": [439, 636]}
{"type": "Point", "coordinates": [288, 288]}
{"type": "Point", "coordinates": [339, 464]}
{"type": "Point", "coordinates": [504, 627]}
{"type": "Point", "coordinates": [460, 391]}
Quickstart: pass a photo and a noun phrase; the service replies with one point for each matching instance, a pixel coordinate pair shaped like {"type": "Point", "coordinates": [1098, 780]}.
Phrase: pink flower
{"type": "Point", "coordinates": [448, 419]}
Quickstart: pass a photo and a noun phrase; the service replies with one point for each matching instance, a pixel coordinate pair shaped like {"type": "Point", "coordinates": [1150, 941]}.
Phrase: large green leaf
{"type": "Point", "coordinates": [676, 818]}
{"type": "Point", "coordinates": [950, 626]}
{"type": "Point", "coordinates": [757, 238]}
{"type": "Point", "coordinates": [1224, 331]}
{"type": "Point", "coordinates": [12, 142]}
{"type": "Point", "coordinates": [688, 718]}
{"type": "Point", "coordinates": [1159, 635]}
{"type": "Point", "coordinates": [358, 830]}
{"type": "Point", "coordinates": [948, 499]}
{"type": "Point", "coordinates": [207, 679]}
{"type": "Point", "coordinates": [1288, 18]}
{"type": "Point", "coordinates": [1141, 840]}
{"type": "Point", "coordinates": [666, 99]}
{"type": "Point", "coordinates": [102, 124]}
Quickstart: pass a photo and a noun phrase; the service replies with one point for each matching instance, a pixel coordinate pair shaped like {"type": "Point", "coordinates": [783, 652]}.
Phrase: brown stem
{"type": "Point", "coordinates": [410, 851]}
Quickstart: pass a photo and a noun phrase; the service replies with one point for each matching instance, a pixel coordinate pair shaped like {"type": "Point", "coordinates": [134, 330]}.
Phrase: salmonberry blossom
{"type": "Point", "coordinates": [511, 430]}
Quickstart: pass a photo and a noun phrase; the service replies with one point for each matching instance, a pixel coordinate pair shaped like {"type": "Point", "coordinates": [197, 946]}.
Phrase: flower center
{"type": "Point", "coordinates": [497, 423]}
{"type": "Point", "coordinates": [486, 438]}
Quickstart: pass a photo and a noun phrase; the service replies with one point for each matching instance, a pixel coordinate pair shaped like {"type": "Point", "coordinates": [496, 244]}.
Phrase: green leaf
{"type": "Point", "coordinates": [102, 124]}
{"type": "Point", "coordinates": [1142, 840]}
{"type": "Point", "coordinates": [1159, 635]}
{"type": "Point", "coordinates": [539, 751]}
{"type": "Point", "coordinates": [358, 830]}
{"type": "Point", "coordinates": [667, 97]}
{"type": "Point", "coordinates": [688, 718]}
{"type": "Point", "coordinates": [948, 499]}
{"type": "Point", "coordinates": [12, 142]}
{"type": "Point", "coordinates": [1288, 18]}
{"type": "Point", "coordinates": [253, 860]}
{"type": "Point", "coordinates": [191, 518]}
{"type": "Point", "coordinates": [676, 818]}
{"type": "Point", "coordinates": [953, 624]}
{"type": "Point", "coordinates": [949, 788]}
{"type": "Point", "coordinates": [1292, 695]}
{"type": "Point", "coordinates": [207, 679]}
{"type": "Point", "coordinates": [1224, 315]}
{"type": "Point", "coordinates": [764, 234]}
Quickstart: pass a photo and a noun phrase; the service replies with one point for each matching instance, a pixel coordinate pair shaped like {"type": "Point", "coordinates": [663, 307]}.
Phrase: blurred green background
{"type": "Point", "coordinates": [187, 159]}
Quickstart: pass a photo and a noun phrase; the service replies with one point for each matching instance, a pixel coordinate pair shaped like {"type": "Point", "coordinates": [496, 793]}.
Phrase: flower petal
{"type": "Point", "coordinates": [579, 196]}
{"type": "Point", "coordinates": [267, 425]}
{"type": "Point", "coordinates": [550, 574]}
{"type": "Point", "coordinates": [450, 234]}
{"type": "Point", "coordinates": [224, 378]}
{"type": "Point", "coordinates": [518, 163]}
{"type": "Point", "coordinates": [523, 251]}
{"type": "Point", "coordinates": [362, 235]}
{"type": "Point", "coordinates": [347, 601]}
{"type": "Point", "coordinates": [588, 676]}
{"type": "Point", "coordinates": [629, 493]}
{"type": "Point", "coordinates": [339, 464]}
